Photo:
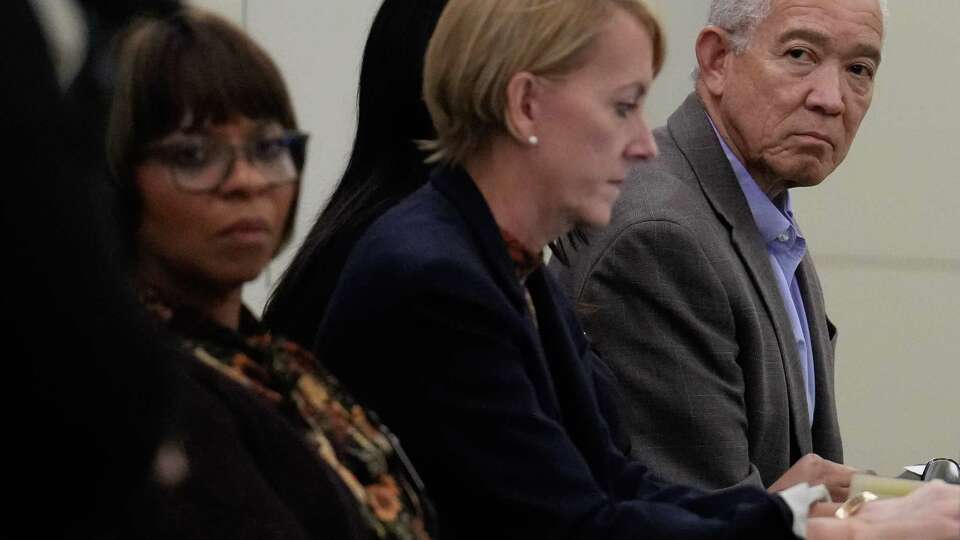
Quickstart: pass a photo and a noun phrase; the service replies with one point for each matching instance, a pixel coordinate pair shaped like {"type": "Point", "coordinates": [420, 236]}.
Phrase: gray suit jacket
{"type": "Point", "coordinates": [678, 294]}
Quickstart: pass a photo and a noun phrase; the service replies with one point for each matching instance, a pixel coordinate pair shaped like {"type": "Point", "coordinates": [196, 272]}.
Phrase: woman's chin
{"type": "Point", "coordinates": [595, 220]}
{"type": "Point", "coordinates": [237, 275]}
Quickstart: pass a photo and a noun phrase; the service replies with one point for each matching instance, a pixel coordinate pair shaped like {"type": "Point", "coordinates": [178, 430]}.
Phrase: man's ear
{"type": "Point", "coordinates": [522, 106]}
{"type": "Point", "coordinates": [713, 54]}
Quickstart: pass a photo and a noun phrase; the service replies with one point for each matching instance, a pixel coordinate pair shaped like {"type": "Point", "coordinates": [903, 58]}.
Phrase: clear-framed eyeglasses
{"type": "Point", "coordinates": [201, 164]}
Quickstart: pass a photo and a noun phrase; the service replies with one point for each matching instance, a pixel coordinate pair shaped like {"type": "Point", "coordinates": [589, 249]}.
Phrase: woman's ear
{"type": "Point", "coordinates": [713, 52]}
{"type": "Point", "coordinates": [523, 106]}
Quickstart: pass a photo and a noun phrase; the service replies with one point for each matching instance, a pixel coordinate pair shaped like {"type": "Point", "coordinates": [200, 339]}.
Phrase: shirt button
{"type": "Point", "coordinates": [784, 237]}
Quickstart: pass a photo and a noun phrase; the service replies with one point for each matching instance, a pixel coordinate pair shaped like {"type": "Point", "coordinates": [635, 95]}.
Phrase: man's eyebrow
{"type": "Point", "coordinates": [820, 39]}
{"type": "Point", "coordinates": [805, 34]}
{"type": "Point", "coordinates": [869, 51]}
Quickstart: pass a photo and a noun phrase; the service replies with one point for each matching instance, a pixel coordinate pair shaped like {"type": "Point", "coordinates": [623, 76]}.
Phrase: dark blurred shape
{"type": "Point", "coordinates": [88, 387]}
{"type": "Point", "coordinates": [88, 98]}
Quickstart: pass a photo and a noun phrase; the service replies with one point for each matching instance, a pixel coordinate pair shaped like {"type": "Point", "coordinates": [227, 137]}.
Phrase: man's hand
{"type": "Point", "coordinates": [815, 470]}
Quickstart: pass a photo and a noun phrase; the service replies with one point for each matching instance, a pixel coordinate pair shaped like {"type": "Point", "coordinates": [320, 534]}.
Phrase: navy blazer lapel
{"type": "Point", "coordinates": [572, 376]}
{"type": "Point", "coordinates": [457, 186]}
{"type": "Point", "coordinates": [566, 362]}
{"type": "Point", "coordinates": [695, 137]}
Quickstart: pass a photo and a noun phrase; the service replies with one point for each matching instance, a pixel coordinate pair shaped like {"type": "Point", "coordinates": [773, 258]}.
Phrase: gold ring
{"type": "Point", "coordinates": [854, 504]}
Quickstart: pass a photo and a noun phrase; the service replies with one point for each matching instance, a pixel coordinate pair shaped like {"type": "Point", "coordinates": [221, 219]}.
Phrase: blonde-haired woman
{"type": "Point", "coordinates": [446, 321]}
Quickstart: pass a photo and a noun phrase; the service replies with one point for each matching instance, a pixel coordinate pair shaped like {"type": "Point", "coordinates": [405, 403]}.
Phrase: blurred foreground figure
{"type": "Point", "coordinates": [91, 384]}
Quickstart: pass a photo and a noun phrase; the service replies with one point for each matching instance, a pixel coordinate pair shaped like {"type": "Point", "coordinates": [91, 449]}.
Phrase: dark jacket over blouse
{"type": "Point", "coordinates": [235, 484]}
{"type": "Point", "coordinates": [272, 446]}
{"type": "Point", "coordinates": [429, 325]}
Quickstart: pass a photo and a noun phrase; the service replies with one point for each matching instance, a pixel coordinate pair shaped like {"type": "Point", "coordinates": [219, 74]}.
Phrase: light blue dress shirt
{"type": "Point", "coordinates": [786, 247]}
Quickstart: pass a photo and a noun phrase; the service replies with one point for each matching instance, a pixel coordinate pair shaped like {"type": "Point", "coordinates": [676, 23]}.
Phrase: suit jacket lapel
{"type": "Point", "coordinates": [826, 432]}
{"type": "Point", "coordinates": [695, 137]}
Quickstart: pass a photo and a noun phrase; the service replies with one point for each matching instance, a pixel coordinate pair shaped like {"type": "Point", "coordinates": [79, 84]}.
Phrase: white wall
{"type": "Point", "coordinates": [883, 228]}
{"type": "Point", "coordinates": [232, 9]}
{"type": "Point", "coordinates": [884, 232]}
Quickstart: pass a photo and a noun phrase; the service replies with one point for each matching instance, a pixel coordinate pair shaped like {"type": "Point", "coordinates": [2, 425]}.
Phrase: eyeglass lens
{"type": "Point", "coordinates": [202, 163]}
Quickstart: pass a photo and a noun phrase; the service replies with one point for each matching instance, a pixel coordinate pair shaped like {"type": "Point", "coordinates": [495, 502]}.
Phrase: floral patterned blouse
{"type": "Point", "coordinates": [343, 434]}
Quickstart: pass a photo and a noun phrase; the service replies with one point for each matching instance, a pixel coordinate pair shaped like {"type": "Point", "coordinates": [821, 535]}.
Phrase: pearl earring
{"type": "Point", "coordinates": [533, 140]}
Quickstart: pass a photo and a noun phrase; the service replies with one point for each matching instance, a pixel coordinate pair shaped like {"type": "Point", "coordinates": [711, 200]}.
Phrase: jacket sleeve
{"type": "Point", "coordinates": [609, 399]}
{"type": "Point", "coordinates": [439, 358]}
{"type": "Point", "coordinates": [660, 315]}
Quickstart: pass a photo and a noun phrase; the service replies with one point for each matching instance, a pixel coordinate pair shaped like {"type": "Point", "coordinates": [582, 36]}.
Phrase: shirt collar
{"type": "Point", "coordinates": [773, 218]}
{"type": "Point", "coordinates": [524, 260]}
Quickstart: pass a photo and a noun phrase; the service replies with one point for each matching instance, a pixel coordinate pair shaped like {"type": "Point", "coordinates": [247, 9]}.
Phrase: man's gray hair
{"type": "Point", "coordinates": [738, 17]}
{"type": "Point", "coordinates": [741, 18]}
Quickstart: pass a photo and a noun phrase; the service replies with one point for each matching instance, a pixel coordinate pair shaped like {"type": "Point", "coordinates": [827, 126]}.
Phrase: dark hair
{"type": "Point", "coordinates": [385, 164]}
{"type": "Point", "coordinates": [192, 66]}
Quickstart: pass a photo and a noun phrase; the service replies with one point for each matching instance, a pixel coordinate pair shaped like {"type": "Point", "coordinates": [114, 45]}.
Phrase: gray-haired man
{"type": "Point", "coordinates": [700, 293]}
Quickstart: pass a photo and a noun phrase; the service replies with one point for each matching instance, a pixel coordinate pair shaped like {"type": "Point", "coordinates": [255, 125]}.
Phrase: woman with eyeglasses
{"type": "Point", "coordinates": [204, 143]}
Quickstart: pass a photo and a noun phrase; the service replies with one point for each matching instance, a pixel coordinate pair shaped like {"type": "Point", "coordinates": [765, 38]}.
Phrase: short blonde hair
{"type": "Point", "coordinates": [479, 45]}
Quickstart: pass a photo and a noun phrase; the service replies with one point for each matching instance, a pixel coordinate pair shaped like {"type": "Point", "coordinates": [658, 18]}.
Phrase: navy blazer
{"type": "Point", "coordinates": [429, 326]}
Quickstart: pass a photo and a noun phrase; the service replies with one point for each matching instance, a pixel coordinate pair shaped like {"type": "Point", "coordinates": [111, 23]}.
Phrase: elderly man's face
{"type": "Point", "coordinates": [795, 97]}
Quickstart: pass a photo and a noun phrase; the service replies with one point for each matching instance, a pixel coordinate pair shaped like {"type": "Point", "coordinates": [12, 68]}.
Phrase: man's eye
{"type": "Point", "coordinates": [861, 70]}
{"type": "Point", "coordinates": [798, 54]}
